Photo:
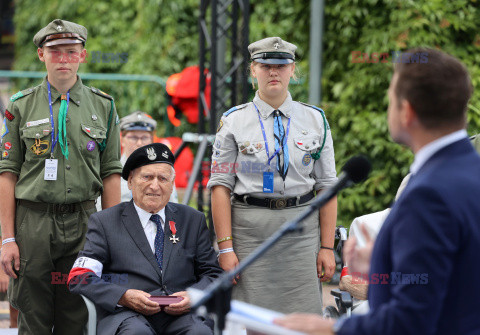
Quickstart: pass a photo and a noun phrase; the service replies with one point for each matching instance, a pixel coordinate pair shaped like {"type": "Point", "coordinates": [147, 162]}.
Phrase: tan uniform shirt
{"type": "Point", "coordinates": [239, 155]}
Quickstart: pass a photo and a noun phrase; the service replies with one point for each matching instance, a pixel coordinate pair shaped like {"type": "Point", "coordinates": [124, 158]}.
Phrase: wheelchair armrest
{"type": "Point", "coordinates": [344, 296]}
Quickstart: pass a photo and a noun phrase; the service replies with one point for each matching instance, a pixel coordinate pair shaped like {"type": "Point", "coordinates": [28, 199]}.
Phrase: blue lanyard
{"type": "Point", "coordinates": [265, 136]}
{"type": "Point", "coordinates": [54, 141]}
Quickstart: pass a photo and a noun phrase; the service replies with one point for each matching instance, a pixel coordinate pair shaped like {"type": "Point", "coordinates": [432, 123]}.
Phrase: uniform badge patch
{"type": "Point", "coordinates": [5, 155]}
{"type": "Point", "coordinates": [37, 122]}
{"type": "Point", "coordinates": [151, 154]}
{"type": "Point", "coordinates": [9, 116]}
{"type": "Point", "coordinates": [307, 158]}
{"type": "Point", "coordinates": [8, 145]}
{"type": "Point", "coordinates": [218, 144]}
{"type": "Point", "coordinates": [91, 145]}
{"type": "Point", "coordinates": [220, 125]}
{"type": "Point", "coordinates": [40, 147]}
{"type": "Point", "coordinates": [16, 96]}
{"type": "Point", "coordinates": [4, 130]}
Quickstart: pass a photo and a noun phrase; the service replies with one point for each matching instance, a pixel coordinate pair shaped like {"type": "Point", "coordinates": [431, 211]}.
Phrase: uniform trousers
{"type": "Point", "coordinates": [49, 241]}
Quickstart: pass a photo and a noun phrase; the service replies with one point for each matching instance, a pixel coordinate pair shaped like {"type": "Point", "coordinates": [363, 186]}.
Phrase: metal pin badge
{"type": "Point", "coordinates": [94, 117]}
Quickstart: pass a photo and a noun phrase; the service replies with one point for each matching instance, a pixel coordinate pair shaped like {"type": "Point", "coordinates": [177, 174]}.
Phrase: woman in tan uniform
{"type": "Point", "coordinates": [270, 157]}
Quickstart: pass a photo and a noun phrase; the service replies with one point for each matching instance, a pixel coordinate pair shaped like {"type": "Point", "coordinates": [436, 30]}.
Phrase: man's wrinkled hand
{"type": "Point", "coordinates": [138, 301]}
{"type": "Point", "coordinates": [181, 307]}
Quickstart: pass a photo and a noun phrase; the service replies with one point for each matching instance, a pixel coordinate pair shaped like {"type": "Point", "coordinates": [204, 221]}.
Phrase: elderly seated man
{"type": "Point", "coordinates": [143, 248]}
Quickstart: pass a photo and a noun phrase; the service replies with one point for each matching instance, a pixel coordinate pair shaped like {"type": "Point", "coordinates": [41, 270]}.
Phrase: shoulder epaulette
{"type": "Point", "coordinates": [101, 93]}
{"type": "Point", "coordinates": [313, 106]}
{"type": "Point", "coordinates": [327, 125]}
{"type": "Point", "coordinates": [21, 94]}
{"type": "Point", "coordinates": [233, 109]}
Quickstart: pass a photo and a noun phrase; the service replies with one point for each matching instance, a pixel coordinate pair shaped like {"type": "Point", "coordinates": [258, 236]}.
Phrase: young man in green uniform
{"type": "Point", "coordinates": [60, 151]}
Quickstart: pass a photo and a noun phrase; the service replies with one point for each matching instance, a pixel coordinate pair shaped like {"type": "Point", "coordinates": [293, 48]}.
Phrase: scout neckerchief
{"type": "Point", "coordinates": [62, 126]}
{"type": "Point", "coordinates": [267, 175]}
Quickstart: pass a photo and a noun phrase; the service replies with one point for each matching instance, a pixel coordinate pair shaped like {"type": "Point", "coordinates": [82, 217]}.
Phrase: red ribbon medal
{"type": "Point", "coordinates": [174, 231]}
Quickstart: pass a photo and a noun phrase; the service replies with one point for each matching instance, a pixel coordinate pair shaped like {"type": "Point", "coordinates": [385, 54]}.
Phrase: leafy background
{"type": "Point", "coordinates": [161, 38]}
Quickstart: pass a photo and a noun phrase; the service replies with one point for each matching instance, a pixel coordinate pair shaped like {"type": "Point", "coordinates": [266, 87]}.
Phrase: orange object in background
{"type": "Point", "coordinates": [183, 164]}
{"type": "Point", "coordinates": [182, 89]}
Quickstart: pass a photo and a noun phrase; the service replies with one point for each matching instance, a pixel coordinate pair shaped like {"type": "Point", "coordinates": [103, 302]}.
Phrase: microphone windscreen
{"type": "Point", "coordinates": [357, 168]}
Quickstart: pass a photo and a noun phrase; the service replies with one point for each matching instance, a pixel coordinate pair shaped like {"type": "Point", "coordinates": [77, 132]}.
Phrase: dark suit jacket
{"type": "Point", "coordinates": [429, 248]}
{"type": "Point", "coordinates": [116, 238]}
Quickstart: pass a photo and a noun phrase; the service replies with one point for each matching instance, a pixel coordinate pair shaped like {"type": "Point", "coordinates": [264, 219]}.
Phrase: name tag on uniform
{"type": "Point", "coordinates": [51, 168]}
{"type": "Point", "coordinates": [267, 182]}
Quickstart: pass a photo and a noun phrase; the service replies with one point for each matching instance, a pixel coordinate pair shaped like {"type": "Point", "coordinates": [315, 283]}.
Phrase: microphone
{"type": "Point", "coordinates": [355, 170]}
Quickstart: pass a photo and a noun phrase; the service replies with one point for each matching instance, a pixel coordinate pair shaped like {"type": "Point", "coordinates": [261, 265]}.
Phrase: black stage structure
{"type": "Point", "coordinates": [224, 59]}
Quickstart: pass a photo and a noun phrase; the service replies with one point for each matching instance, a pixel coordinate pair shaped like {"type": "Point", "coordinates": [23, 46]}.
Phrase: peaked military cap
{"type": "Point", "coordinates": [148, 154]}
{"type": "Point", "coordinates": [272, 50]}
{"type": "Point", "coordinates": [138, 121]}
{"type": "Point", "coordinates": [60, 32]}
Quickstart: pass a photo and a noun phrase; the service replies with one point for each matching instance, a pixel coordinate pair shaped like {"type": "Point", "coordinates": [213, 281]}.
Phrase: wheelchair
{"type": "Point", "coordinates": [343, 300]}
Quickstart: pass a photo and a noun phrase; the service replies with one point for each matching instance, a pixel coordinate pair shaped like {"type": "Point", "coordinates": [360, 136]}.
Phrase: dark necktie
{"type": "Point", "coordinates": [279, 135]}
{"type": "Point", "coordinates": [158, 239]}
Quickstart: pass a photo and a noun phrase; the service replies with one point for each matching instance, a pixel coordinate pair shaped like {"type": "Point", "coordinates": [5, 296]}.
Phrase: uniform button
{"type": "Point", "coordinates": [68, 142]}
{"type": "Point", "coordinates": [69, 190]}
{"type": "Point", "coordinates": [67, 167]}
{"type": "Point", "coordinates": [282, 192]}
{"type": "Point", "coordinates": [64, 215]}
{"type": "Point", "coordinates": [67, 119]}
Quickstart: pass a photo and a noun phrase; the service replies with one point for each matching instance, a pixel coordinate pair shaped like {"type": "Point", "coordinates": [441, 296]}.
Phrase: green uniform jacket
{"type": "Point", "coordinates": [27, 143]}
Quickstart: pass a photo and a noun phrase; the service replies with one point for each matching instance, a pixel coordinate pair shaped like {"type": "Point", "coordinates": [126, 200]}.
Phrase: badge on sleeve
{"type": "Point", "coordinates": [4, 130]}
{"type": "Point", "coordinates": [9, 116]}
{"type": "Point", "coordinates": [8, 145]}
{"type": "Point", "coordinates": [220, 125]}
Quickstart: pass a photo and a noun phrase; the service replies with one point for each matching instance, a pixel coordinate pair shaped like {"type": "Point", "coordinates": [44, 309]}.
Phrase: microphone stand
{"type": "Point", "coordinates": [216, 296]}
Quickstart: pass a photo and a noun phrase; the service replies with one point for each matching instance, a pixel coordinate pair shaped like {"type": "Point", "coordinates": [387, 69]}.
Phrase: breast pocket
{"type": "Point", "coordinates": [304, 148]}
{"type": "Point", "coordinates": [93, 136]}
{"type": "Point", "coordinates": [252, 157]}
{"type": "Point", "coordinates": [37, 140]}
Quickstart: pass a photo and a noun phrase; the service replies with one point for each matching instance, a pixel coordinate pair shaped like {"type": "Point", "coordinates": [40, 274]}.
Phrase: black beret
{"type": "Point", "coordinates": [148, 154]}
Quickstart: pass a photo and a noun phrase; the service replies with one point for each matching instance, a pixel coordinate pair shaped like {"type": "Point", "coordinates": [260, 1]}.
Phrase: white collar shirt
{"type": "Point", "coordinates": [149, 226]}
{"type": "Point", "coordinates": [427, 151]}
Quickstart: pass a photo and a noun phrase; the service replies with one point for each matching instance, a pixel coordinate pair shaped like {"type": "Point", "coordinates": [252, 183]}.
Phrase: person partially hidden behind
{"type": "Point", "coordinates": [427, 248]}
{"type": "Point", "coordinates": [146, 247]}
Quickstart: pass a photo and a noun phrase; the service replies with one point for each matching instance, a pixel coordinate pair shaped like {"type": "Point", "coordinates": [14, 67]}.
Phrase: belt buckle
{"type": "Point", "coordinates": [65, 208]}
{"type": "Point", "coordinates": [278, 203]}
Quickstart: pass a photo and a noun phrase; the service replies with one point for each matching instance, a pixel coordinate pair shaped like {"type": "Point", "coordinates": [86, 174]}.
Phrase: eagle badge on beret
{"type": "Point", "coordinates": [151, 154]}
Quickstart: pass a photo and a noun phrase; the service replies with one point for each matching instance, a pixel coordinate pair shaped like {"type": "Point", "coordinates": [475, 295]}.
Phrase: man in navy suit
{"type": "Point", "coordinates": [424, 265]}
{"type": "Point", "coordinates": [146, 247]}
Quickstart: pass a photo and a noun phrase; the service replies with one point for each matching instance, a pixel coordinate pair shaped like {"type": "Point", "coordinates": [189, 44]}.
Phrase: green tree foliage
{"type": "Point", "coordinates": [161, 38]}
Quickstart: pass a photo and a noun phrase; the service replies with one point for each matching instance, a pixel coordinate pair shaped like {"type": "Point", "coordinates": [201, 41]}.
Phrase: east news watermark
{"type": "Point", "coordinates": [386, 57]}
{"type": "Point", "coordinates": [92, 57]}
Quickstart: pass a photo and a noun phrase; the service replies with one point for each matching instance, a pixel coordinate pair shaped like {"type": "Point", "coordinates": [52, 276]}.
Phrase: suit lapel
{"type": "Point", "coordinates": [169, 246]}
{"type": "Point", "coordinates": [132, 223]}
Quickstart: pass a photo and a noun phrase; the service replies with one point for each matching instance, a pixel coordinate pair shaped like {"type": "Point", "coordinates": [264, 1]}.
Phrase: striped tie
{"type": "Point", "coordinates": [158, 239]}
{"type": "Point", "coordinates": [279, 135]}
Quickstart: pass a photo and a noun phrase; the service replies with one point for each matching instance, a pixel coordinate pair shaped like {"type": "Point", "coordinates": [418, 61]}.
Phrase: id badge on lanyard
{"type": "Point", "coordinates": [51, 165]}
{"type": "Point", "coordinates": [268, 175]}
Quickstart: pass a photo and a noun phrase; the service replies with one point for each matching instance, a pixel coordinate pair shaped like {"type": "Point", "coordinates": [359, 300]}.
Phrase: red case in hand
{"type": "Point", "coordinates": [165, 300]}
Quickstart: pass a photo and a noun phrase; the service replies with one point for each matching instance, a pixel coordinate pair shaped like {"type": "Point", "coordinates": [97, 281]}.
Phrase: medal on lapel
{"type": "Point", "coordinates": [174, 231]}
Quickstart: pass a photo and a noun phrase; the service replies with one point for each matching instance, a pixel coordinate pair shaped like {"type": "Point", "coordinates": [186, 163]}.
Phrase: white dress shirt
{"type": "Point", "coordinates": [149, 226]}
{"type": "Point", "coordinates": [424, 154]}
